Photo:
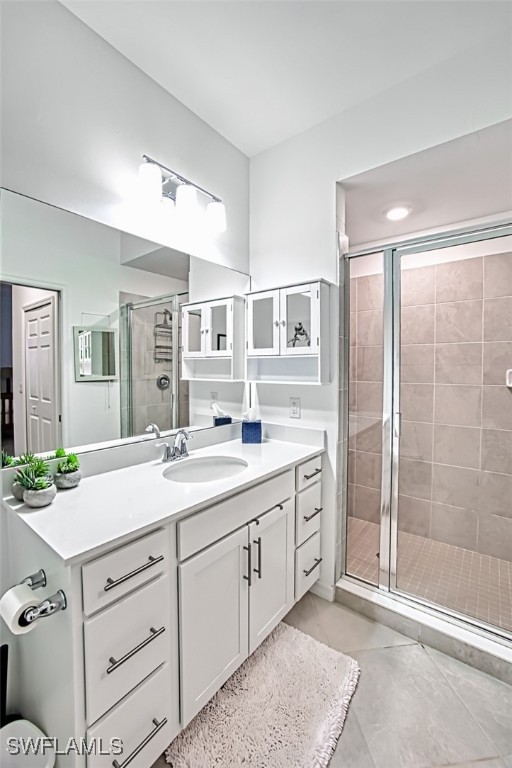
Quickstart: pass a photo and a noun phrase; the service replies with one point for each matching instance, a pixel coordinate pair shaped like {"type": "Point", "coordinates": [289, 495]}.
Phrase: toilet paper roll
{"type": "Point", "coordinates": [12, 606]}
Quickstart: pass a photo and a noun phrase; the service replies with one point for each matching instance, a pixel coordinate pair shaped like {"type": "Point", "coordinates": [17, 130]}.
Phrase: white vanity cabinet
{"type": "Point", "coordinates": [156, 624]}
{"type": "Point", "coordinates": [213, 339]}
{"type": "Point", "coordinates": [287, 334]}
{"type": "Point", "coordinates": [236, 590]}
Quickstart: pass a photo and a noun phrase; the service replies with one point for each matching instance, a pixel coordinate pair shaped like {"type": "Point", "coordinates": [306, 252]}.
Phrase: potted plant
{"type": "Point", "coordinates": [7, 460]}
{"type": "Point", "coordinates": [68, 473]}
{"type": "Point", "coordinates": [38, 491]}
{"type": "Point", "coordinates": [39, 466]}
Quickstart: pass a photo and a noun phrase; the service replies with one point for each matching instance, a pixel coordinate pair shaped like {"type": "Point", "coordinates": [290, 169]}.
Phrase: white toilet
{"type": "Point", "coordinates": [21, 731]}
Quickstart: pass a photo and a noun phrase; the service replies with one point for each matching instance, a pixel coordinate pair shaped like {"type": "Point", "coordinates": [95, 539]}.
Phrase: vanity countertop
{"type": "Point", "coordinates": [107, 509]}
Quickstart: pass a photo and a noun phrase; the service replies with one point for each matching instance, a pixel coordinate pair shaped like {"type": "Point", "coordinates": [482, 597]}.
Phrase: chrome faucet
{"type": "Point", "coordinates": [179, 449]}
{"type": "Point", "coordinates": [153, 428]}
{"type": "Point", "coordinates": [180, 443]}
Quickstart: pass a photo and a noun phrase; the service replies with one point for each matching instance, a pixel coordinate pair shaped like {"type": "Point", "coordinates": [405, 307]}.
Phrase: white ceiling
{"type": "Point", "coordinates": [262, 71]}
{"type": "Point", "coordinates": [461, 180]}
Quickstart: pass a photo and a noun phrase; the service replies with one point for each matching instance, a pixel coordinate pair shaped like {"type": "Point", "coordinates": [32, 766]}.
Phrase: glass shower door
{"type": "Point", "coordinates": [452, 511]}
{"type": "Point", "coordinates": [365, 418]}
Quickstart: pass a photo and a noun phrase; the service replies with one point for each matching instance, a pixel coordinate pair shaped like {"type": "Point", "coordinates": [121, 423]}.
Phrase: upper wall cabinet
{"type": "Point", "coordinates": [213, 340]}
{"type": "Point", "coordinates": [287, 334]}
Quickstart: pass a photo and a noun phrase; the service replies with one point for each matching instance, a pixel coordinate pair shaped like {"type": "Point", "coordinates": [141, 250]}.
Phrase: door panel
{"type": "Point", "coordinates": [263, 323]}
{"type": "Point", "coordinates": [213, 628]}
{"type": "Point", "coordinates": [41, 378]}
{"type": "Point", "coordinates": [193, 331]}
{"type": "Point", "coordinates": [365, 418]}
{"type": "Point", "coordinates": [299, 320]}
{"type": "Point", "coordinates": [271, 595]}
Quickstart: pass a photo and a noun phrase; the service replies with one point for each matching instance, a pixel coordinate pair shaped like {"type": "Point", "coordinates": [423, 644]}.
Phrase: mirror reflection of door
{"type": "Point", "coordinates": [29, 370]}
{"type": "Point", "coordinates": [218, 340]}
{"type": "Point", "coordinates": [263, 323]}
{"type": "Point", "coordinates": [194, 330]}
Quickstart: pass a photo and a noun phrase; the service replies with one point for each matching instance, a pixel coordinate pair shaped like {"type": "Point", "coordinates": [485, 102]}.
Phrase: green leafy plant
{"type": "Point", "coordinates": [32, 482]}
{"type": "Point", "coordinates": [7, 460]}
{"type": "Point", "coordinates": [70, 465]}
{"type": "Point", "coordinates": [60, 453]}
{"type": "Point", "coordinates": [25, 458]}
{"type": "Point", "coordinates": [40, 468]}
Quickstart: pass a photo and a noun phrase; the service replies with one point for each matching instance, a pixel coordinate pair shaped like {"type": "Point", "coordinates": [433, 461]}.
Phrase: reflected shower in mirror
{"type": "Point", "coordinates": [91, 331]}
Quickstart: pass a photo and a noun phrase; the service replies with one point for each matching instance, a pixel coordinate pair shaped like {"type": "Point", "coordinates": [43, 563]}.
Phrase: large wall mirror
{"type": "Point", "coordinates": [90, 331]}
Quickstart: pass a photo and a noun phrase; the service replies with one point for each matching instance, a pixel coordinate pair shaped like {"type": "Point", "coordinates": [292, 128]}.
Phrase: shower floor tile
{"type": "Point", "coordinates": [465, 581]}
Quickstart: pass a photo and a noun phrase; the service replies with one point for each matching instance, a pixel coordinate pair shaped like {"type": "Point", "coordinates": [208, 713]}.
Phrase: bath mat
{"type": "Point", "coordinates": [283, 708]}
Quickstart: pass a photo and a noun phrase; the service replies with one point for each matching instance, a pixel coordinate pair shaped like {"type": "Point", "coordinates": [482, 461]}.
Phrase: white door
{"type": "Point", "coordinates": [219, 328]}
{"type": "Point", "coordinates": [41, 379]}
{"type": "Point", "coordinates": [193, 331]}
{"type": "Point", "coordinates": [214, 608]}
{"type": "Point", "coordinates": [263, 323]}
{"type": "Point", "coordinates": [300, 320]}
{"type": "Point", "coordinates": [271, 592]}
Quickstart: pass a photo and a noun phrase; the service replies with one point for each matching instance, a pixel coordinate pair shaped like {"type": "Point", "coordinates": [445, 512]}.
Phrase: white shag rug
{"type": "Point", "coordinates": [283, 708]}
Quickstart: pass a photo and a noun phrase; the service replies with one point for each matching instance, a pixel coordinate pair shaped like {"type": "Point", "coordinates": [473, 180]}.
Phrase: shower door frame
{"type": "Point", "coordinates": [174, 299]}
{"type": "Point", "coordinates": [392, 254]}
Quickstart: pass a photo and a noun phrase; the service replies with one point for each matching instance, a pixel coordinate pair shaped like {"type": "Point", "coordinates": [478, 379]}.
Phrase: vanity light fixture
{"type": "Point", "coordinates": [398, 213]}
{"type": "Point", "coordinates": [185, 196]}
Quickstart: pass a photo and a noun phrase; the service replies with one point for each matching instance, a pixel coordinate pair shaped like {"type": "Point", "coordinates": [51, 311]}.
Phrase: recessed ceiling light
{"type": "Point", "coordinates": [398, 213]}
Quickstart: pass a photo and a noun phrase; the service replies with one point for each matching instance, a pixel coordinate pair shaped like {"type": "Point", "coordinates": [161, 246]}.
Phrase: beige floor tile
{"type": "Point", "coordinates": [304, 616]}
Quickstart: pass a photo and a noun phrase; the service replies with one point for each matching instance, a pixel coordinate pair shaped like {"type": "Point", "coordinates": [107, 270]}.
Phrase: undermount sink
{"type": "Point", "coordinates": [204, 469]}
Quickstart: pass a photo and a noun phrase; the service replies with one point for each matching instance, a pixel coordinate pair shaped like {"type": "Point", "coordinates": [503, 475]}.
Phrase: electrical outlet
{"type": "Point", "coordinates": [294, 407]}
{"type": "Point", "coordinates": [214, 397]}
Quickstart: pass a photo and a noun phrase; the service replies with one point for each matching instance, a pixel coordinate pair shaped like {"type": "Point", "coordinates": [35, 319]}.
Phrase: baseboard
{"type": "Point", "coordinates": [327, 591]}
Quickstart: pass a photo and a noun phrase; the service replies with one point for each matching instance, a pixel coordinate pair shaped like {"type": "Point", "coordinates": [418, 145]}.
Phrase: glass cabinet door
{"type": "Point", "coordinates": [263, 323]}
{"type": "Point", "coordinates": [299, 321]}
{"type": "Point", "coordinates": [219, 328]}
{"type": "Point", "coordinates": [193, 331]}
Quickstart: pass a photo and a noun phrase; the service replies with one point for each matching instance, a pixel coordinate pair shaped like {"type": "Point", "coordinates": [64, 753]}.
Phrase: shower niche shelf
{"type": "Point", "coordinates": [213, 340]}
{"type": "Point", "coordinates": [288, 334]}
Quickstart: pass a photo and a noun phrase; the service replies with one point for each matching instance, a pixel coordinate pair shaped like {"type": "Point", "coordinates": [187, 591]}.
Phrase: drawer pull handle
{"type": "Point", "coordinates": [138, 750]}
{"type": "Point", "coordinates": [313, 474]}
{"type": "Point", "coordinates": [249, 564]}
{"type": "Point", "coordinates": [317, 511]}
{"type": "Point", "coordinates": [115, 664]}
{"type": "Point", "coordinates": [111, 583]}
{"type": "Point", "coordinates": [318, 560]}
{"type": "Point", "coordinates": [258, 544]}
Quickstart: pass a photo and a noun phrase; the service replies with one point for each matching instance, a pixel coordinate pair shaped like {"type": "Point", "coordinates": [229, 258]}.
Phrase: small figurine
{"type": "Point", "coordinates": [301, 336]}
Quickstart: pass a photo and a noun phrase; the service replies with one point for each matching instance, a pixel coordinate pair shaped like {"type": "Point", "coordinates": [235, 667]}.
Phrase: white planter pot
{"type": "Point", "coordinates": [67, 479]}
{"type": "Point", "coordinates": [40, 498]}
{"type": "Point", "coordinates": [17, 491]}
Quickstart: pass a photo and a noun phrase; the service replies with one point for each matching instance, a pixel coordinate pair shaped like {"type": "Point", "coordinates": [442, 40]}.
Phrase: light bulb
{"type": "Point", "coordinates": [150, 182]}
{"type": "Point", "coordinates": [398, 213]}
{"type": "Point", "coordinates": [186, 198]}
{"type": "Point", "coordinates": [167, 204]}
{"type": "Point", "coordinates": [216, 217]}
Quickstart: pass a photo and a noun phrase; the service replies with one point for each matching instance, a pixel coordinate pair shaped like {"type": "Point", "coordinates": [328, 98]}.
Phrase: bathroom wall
{"type": "Point", "coordinates": [293, 202]}
{"type": "Point", "coordinates": [76, 118]}
{"type": "Point", "coordinates": [455, 482]}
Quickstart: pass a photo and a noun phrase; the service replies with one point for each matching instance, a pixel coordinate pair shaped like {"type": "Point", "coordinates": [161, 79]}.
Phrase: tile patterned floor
{"type": "Point", "coordinates": [474, 584]}
{"type": "Point", "coordinates": [413, 707]}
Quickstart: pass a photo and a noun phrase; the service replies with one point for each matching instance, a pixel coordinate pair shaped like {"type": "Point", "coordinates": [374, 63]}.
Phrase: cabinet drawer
{"type": "Point", "coordinates": [144, 721]}
{"type": "Point", "coordinates": [201, 530]}
{"type": "Point", "coordinates": [124, 644]}
{"type": "Point", "coordinates": [308, 508]}
{"type": "Point", "coordinates": [114, 575]}
{"type": "Point", "coordinates": [307, 565]}
{"type": "Point", "coordinates": [308, 473]}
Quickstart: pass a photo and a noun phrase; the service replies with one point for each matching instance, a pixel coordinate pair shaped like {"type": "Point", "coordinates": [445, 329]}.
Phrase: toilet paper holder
{"type": "Point", "coordinates": [48, 606]}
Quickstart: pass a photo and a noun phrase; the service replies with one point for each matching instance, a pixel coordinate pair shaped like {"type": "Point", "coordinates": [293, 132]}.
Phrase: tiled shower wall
{"type": "Point", "coordinates": [456, 431]}
{"type": "Point", "coordinates": [149, 403]}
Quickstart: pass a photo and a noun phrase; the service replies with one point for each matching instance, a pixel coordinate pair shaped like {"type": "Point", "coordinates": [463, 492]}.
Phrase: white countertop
{"type": "Point", "coordinates": [108, 508]}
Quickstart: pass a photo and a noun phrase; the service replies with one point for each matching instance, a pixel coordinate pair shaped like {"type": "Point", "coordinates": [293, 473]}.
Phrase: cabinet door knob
{"type": "Point", "coordinates": [258, 544]}
{"type": "Point", "coordinates": [144, 743]}
{"type": "Point", "coordinates": [317, 511]}
{"type": "Point", "coordinates": [249, 564]}
{"type": "Point", "coordinates": [318, 560]}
